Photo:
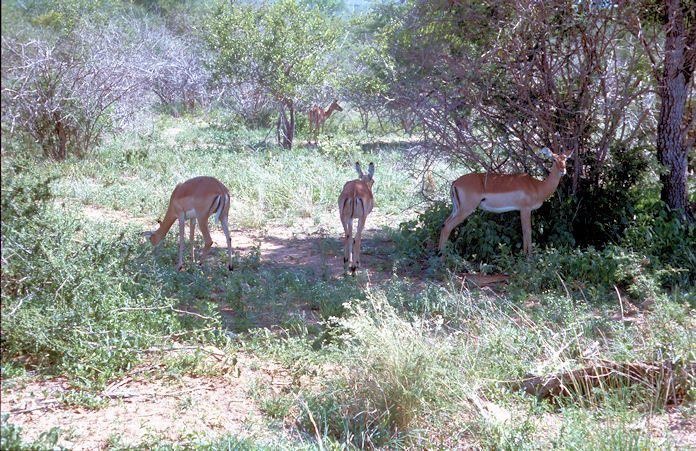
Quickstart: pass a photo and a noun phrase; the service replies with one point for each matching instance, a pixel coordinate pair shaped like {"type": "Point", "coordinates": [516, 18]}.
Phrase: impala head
{"type": "Point", "coordinates": [558, 159]}
{"type": "Point", "coordinates": [366, 179]}
{"type": "Point", "coordinates": [155, 238]}
{"type": "Point", "coordinates": [335, 106]}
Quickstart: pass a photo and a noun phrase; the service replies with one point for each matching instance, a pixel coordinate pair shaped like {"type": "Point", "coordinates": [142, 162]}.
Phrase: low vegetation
{"type": "Point", "coordinates": [420, 359]}
{"type": "Point", "coordinates": [588, 343]}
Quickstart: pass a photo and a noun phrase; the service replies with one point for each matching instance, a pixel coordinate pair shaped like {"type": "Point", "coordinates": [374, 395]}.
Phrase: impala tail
{"type": "Point", "coordinates": [219, 205]}
{"type": "Point", "coordinates": [455, 201]}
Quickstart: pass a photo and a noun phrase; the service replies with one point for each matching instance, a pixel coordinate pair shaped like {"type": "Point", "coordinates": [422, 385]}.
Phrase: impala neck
{"type": "Point", "coordinates": [552, 180]}
{"type": "Point", "coordinates": [329, 111]}
{"type": "Point", "coordinates": [164, 226]}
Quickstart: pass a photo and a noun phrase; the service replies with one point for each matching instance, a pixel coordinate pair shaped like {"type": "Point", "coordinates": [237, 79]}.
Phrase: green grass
{"type": "Point", "coordinates": [137, 174]}
{"type": "Point", "coordinates": [403, 363]}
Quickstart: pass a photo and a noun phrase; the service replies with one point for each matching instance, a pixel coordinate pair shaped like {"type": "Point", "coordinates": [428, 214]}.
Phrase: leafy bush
{"type": "Point", "coordinates": [657, 250]}
{"type": "Point", "coordinates": [12, 438]}
{"type": "Point", "coordinates": [77, 297]}
{"type": "Point", "coordinates": [641, 246]}
{"type": "Point", "coordinates": [667, 242]}
{"type": "Point", "coordinates": [603, 209]}
{"type": "Point", "coordinates": [483, 236]}
{"type": "Point", "coordinates": [24, 192]}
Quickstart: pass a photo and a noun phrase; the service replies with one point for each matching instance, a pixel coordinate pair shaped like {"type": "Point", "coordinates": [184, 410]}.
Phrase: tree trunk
{"type": "Point", "coordinates": [673, 91]}
{"type": "Point", "coordinates": [286, 128]}
{"type": "Point", "coordinates": [62, 140]}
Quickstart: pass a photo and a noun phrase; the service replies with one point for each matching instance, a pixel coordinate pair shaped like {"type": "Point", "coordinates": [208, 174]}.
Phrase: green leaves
{"type": "Point", "coordinates": [280, 46]}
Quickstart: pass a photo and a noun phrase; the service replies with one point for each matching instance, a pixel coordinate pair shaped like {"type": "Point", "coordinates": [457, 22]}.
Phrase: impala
{"type": "Point", "coordinates": [196, 199]}
{"type": "Point", "coordinates": [502, 192]}
{"type": "Point", "coordinates": [355, 201]}
{"type": "Point", "coordinates": [317, 117]}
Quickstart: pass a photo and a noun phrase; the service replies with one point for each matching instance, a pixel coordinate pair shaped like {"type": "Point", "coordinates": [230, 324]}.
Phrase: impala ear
{"type": "Point", "coordinates": [357, 168]}
{"type": "Point", "coordinates": [570, 154]}
{"type": "Point", "coordinates": [371, 170]}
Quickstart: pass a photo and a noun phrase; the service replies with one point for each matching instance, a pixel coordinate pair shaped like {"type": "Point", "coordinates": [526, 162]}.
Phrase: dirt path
{"type": "Point", "coordinates": [321, 248]}
{"type": "Point", "coordinates": [304, 243]}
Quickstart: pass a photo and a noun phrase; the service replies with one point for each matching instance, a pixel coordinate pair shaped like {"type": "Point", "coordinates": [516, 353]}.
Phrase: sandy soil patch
{"type": "Point", "coordinates": [145, 408]}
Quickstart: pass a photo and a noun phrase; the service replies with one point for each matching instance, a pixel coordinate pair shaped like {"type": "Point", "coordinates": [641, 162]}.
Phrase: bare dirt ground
{"type": "Point", "coordinates": [148, 405]}
{"type": "Point", "coordinates": [308, 245]}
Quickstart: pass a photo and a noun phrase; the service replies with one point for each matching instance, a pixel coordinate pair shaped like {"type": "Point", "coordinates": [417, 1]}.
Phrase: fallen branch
{"type": "Point", "coordinates": [163, 307]}
{"type": "Point", "coordinates": [668, 381]}
{"type": "Point", "coordinates": [44, 405]}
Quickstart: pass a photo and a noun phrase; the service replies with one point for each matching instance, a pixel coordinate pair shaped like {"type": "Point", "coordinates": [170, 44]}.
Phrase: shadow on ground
{"type": "Point", "coordinates": [281, 279]}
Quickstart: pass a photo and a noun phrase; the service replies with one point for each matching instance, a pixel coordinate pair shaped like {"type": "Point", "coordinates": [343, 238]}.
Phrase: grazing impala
{"type": "Point", "coordinates": [317, 117]}
{"type": "Point", "coordinates": [355, 201]}
{"type": "Point", "coordinates": [197, 198]}
{"type": "Point", "coordinates": [500, 193]}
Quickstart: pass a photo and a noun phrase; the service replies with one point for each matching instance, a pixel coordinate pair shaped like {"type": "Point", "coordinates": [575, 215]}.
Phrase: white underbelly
{"type": "Point", "coordinates": [191, 213]}
{"type": "Point", "coordinates": [500, 203]}
{"type": "Point", "coordinates": [501, 209]}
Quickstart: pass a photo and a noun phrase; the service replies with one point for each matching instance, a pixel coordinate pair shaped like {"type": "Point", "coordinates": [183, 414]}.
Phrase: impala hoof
{"type": "Point", "coordinates": [230, 267]}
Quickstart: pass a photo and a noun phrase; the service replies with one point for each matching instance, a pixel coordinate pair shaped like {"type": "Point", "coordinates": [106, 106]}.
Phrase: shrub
{"type": "Point", "coordinates": [483, 236]}
{"type": "Point", "coordinates": [12, 438]}
{"type": "Point", "coordinates": [395, 373]}
{"type": "Point", "coordinates": [667, 242]}
{"type": "Point", "coordinates": [63, 94]}
{"type": "Point", "coordinates": [77, 297]}
{"type": "Point", "coordinates": [603, 208]}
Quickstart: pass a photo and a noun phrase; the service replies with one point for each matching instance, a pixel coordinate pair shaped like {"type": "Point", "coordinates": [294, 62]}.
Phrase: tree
{"type": "Point", "coordinates": [73, 70]}
{"type": "Point", "coordinates": [370, 70]}
{"type": "Point", "coordinates": [677, 22]}
{"type": "Point", "coordinates": [65, 93]}
{"type": "Point", "coordinates": [500, 80]}
{"type": "Point", "coordinates": [493, 82]}
{"type": "Point", "coordinates": [281, 47]}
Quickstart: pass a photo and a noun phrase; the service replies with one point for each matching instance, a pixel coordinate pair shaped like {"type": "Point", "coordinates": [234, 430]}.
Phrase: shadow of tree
{"type": "Point", "coordinates": [276, 282]}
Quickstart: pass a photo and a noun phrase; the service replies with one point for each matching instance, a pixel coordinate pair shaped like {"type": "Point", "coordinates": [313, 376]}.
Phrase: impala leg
{"type": "Point", "coordinates": [458, 215]}
{"type": "Point", "coordinates": [182, 232]}
{"type": "Point", "coordinates": [347, 242]}
{"type": "Point", "coordinates": [356, 244]}
{"type": "Point", "coordinates": [526, 218]}
{"type": "Point", "coordinates": [226, 230]}
{"type": "Point", "coordinates": [205, 231]}
{"type": "Point", "coordinates": [191, 236]}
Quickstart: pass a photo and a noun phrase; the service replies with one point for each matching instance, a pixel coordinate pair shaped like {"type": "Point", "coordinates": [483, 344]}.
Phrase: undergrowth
{"type": "Point", "coordinates": [655, 254]}
{"type": "Point", "coordinates": [84, 298]}
{"type": "Point", "coordinates": [404, 363]}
